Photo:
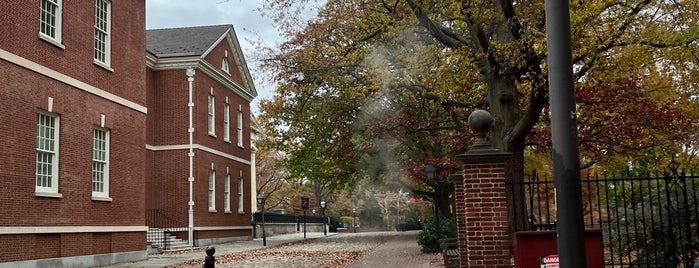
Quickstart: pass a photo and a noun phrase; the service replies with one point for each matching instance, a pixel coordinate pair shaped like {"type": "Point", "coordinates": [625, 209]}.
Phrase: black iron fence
{"type": "Point", "coordinates": [648, 219]}
{"type": "Point", "coordinates": [164, 231]}
{"type": "Point", "coordinates": [272, 217]}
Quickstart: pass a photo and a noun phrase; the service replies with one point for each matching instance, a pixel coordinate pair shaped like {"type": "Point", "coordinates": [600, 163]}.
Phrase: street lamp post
{"type": "Point", "coordinates": [322, 211]}
{"type": "Point", "coordinates": [354, 219]}
{"type": "Point", "coordinates": [261, 202]}
{"type": "Point", "coordinates": [431, 174]}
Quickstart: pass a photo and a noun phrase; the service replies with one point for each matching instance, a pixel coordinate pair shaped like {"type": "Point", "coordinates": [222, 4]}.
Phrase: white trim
{"type": "Point", "coordinates": [199, 147]}
{"type": "Point", "coordinates": [199, 63]}
{"type": "Point", "coordinates": [216, 228]}
{"type": "Point", "coordinates": [69, 229]}
{"type": "Point", "coordinates": [50, 73]}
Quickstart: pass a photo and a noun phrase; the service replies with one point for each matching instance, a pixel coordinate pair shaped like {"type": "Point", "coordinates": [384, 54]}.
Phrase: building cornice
{"type": "Point", "coordinates": [197, 62]}
{"type": "Point", "coordinates": [198, 147]}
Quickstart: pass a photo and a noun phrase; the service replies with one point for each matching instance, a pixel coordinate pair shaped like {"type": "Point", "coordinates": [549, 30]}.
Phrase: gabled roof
{"type": "Point", "coordinates": [174, 46]}
{"type": "Point", "coordinates": [182, 42]}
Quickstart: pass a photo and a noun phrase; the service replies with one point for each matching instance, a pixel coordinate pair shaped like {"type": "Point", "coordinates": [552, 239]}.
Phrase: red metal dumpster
{"type": "Point", "coordinates": [538, 249]}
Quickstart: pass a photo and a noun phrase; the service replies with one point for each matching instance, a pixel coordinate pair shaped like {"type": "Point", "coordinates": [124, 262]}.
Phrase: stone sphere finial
{"type": "Point", "coordinates": [480, 122]}
{"type": "Point", "coordinates": [210, 250]}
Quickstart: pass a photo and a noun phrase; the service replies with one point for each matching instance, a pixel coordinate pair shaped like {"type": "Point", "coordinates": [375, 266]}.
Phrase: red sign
{"type": "Point", "coordinates": [550, 261]}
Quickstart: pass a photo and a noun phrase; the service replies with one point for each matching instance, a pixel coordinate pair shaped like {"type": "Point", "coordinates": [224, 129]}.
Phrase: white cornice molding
{"type": "Point", "coordinates": [6, 230]}
{"type": "Point", "coordinates": [53, 74]}
{"type": "Point", "coordinates": [198, 147]}
{"type": "Point", "coordinates": [199, 63]}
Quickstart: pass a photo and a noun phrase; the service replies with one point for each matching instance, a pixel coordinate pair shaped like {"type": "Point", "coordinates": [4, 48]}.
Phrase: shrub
{"type": "Point", "coordinates": [426, 238]}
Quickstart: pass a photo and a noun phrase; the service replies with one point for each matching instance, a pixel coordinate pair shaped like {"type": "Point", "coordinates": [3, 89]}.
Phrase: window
{"type": "Point", "coordinates": [240, 127]}
{"type": "Point", "coordinates": [224, 65]}
{"type": "Point", "coordinates": [211, 115]}
{"type": "Point", "coordinates": [227, 122]}
{"type": "Point", "coordinates": [100, 162]}
{"type": "Point", "coordinates": [240, 193]}
{"type": "Point", "coordinates": [50, 20]}
{"type": "Point", "coordinates": [227, 193]}
{"type": "Point", "coordinates": [47, 153]}
{"type": "Point", "coordinates": [212, 190]}
{"type": "Point", "coordinates": [102, 31]}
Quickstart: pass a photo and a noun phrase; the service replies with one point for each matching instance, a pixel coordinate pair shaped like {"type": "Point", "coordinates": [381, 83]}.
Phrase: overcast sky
{"type": "Point", "coordinates": [248, 23]}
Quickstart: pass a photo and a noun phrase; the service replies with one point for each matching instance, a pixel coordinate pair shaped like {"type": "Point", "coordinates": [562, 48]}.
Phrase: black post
{"type": "Point", "coordinates": [304, 206]}
{"type": "Point", "coordinates": [264, 231]}
{"type": "Point", "coordinates": [354, 219]}
{"type": "Point", "coordinates": [210, 260]}
{"type": "Point", "coordinates": [322, 211]}
{"type": "Point", "coordinates": [566, 166]}
{"type": "Point", "coordinates": [436, 218]}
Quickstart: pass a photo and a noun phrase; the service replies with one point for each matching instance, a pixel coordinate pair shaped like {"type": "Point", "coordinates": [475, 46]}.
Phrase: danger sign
{"type": "Point", "coordinates": [550, 261]}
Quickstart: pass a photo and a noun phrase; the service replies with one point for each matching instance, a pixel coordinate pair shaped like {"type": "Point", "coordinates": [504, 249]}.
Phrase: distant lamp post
{"type": "Point", "coordinates": [322, 211]}
{"type": "Point", "coordinates": [431, 175]}
{"type": "Point", "coordinates": [261, 202]}
{"type": "Point", "coordinates": [354, 219]}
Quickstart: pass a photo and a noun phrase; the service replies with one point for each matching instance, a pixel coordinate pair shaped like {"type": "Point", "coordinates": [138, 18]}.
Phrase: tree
{"type": "Point", "coordinates": [367, 77]}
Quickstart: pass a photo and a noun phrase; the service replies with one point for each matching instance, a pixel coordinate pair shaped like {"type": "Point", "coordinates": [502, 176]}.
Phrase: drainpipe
{"type": "Point", "coordinates": [190, 230]}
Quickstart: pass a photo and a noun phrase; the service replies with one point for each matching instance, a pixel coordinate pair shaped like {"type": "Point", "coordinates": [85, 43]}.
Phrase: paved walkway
{"type": "Point", "coordinates": [400, 251]}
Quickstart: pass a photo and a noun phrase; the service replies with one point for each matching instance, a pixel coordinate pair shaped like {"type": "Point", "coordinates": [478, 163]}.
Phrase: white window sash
{"type": "Point", "coordinates": [47, 152]}
{"type": "Point", "coordinates": [240, 128]}
{"type": "Point", "coordinates": [227, 194]}
{"type": "Point", "coordinates": [212, 115]}
{"type": "Point", "coordinates": [100, 163]}
{"type": "Point", "coordinates": [240, 195]}
{"type": "Point", "coordinates": [226, 122]}
{"type": "Point", "coordinates": [102, 35]}
{"type": "Point", "coordinates": [50, 16]}
{"type": "Point", "coordinates": [212, 190]}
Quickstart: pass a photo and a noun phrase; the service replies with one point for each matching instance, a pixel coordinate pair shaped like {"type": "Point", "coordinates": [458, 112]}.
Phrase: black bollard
{"type": "Point", "coordinates": [210, 260]}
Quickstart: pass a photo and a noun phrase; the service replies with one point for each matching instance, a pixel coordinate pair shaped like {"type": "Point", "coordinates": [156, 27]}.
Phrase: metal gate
{"type": "Point", "coordinates": [648, 220]}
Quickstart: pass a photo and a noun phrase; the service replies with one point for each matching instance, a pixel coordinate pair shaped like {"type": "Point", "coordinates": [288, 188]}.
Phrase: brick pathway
{"type": "Point", "coordinates": [400, 252]}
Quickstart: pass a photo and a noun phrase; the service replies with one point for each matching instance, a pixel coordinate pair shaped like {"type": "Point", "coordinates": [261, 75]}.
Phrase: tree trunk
{"type": "Point", "coordinates": [504, 107]}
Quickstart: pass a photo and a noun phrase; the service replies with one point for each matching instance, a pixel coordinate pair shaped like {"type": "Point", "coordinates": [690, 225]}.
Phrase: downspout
{"type": "Point", "coordinates": [190, 230]}
{"type": "Point", "coordinates": [253, 180]}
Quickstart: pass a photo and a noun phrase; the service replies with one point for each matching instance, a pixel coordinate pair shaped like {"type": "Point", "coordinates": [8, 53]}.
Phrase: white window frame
{"type": "Point", "coordinates": [212, 115]}
{"type": "Point", "coordinates": [102, 33]}
{"type": "Point", "coordinates": [227, 122]}
{"type": "Point", "coordinates": [50, 20]}
{"type": "Point", "coordinates": [227, 193]}
{"type": "Point", "coordinates": [240, 127]}
{"type": "Point", "coordinates": [100, 146]}
{"type": "Point", "coordinates": [47, 153]}
{"type": "Point", "coordinates": [241, 199]}
{"type": "Point", "coordinates": [212, 190]}
{"type": "Point", "coordinates": [225, 66]}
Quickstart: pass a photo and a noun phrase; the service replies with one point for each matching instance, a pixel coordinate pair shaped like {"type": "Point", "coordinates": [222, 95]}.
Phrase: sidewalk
{"type": "Point", "coordinates": [173, 258]}
{"type": "Point", "coordinates": [400, 252]}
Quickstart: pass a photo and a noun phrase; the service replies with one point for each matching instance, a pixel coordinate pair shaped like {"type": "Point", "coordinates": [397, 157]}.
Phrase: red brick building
{"type": "Point", "coordinates": [73, 128]}
{"type": "Point", "coordinates": [199, 94]}
{"type": "Point", "coordinates": [95, 134]}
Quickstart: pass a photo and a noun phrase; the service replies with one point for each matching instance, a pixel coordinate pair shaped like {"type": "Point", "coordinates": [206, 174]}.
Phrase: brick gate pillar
{"type": "Point", "coordinates": [481, 201]}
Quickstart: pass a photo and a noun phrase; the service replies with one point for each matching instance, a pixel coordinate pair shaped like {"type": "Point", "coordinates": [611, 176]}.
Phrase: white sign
{"type": "Point", "coordinates": [550, 261]}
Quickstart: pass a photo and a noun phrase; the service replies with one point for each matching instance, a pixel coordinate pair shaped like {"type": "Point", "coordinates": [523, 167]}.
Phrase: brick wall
{"type": "Point", "coordinates": [24, 93]}
{"type": "Point", "coordinates": [43, 246]}
{"type": "Point", "coordinates": [76, 60]}
{"type": "Point", "coordinates": [481, 213]}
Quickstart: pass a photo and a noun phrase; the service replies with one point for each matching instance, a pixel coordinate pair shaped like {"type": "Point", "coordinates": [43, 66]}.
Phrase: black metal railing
{"type": "Point", "coordinates": [272, 217]}
{"type": "Point", "coordinates": [163, 230]}
{"type": "Point", "coordinates": [648, 220]}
